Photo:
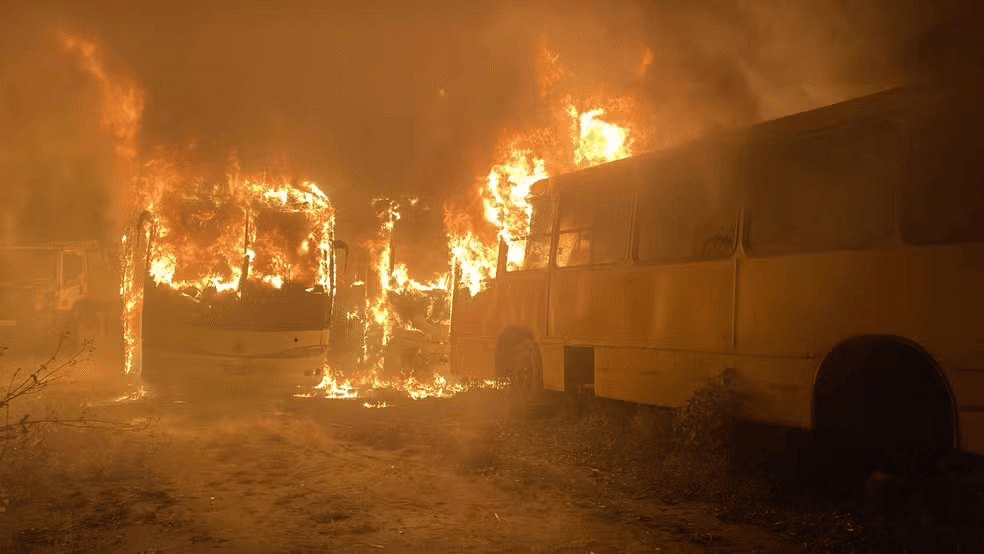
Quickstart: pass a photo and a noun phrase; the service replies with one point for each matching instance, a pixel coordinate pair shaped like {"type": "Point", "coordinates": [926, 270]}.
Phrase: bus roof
{"type": "Point", "coordinates": [887, 102]}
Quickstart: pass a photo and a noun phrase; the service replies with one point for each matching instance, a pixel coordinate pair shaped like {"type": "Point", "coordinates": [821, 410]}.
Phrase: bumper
{"type": "Point", "coordinates": [290, 372]}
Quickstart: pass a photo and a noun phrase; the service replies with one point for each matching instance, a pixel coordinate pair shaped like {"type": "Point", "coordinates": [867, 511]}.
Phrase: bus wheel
{"type": "Point", "coordinates": [517, 360]}
{"type": "Point", "coordinates": [881, 403]}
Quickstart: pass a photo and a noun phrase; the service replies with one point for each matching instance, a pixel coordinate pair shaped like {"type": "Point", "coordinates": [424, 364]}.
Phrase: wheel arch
{"type": "Point", "coordinates": [834, 358]}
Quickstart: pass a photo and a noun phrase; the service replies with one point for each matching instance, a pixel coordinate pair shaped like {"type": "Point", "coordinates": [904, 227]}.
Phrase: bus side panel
{"type": "Point", "coordinates": [469, 342]}
{"type": "Point", "coordinates": [224, 342]}
{"type": "Point", "coordinates": [470, 314]}
{"type": "Point", "coordinates": [944, 301]}
{"type": "Point", "coordinates": [968, 390]}
{"type": "Point", "coordinates": [472, 357]}
{"type": "Point", "coordinates": [648, 376]}
{"type": "Point", "coordinates": [774, 390]}
{"type": "Point", "coordinates": [972, 431]}
{"type": "Point", "coordinates": [522, 301]}
{"type": "Point", "coordinates": [944, 304]}
{"type": "Point", "coordinates": [515, 299]}
{"type": "Point", "coordinates": [802, 305]}
{"type": "Point", "coordinates": [686, 306]}
{"type": "Point", "coordinates": [552, 355]}
{"type": "Point", "coordinates": [769, 390]}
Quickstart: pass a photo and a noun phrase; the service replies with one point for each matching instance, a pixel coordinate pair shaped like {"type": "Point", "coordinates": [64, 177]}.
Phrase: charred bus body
{"type": "Point", "coordinates": [826, 267]}
{"type": "Point", "coordinates": [266, 327]}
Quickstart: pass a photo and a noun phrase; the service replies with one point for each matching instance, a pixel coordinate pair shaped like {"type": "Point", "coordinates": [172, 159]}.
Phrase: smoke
{"type": "Point", "coordinates": [401, 99]}
{"type": "Point", "coordinates": [57, 163]}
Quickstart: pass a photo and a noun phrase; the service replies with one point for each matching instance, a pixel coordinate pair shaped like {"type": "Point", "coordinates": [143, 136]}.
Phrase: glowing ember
{"type": "Point", "coordinates": [440, 387]}
{"type": "Point", "coordinates": [135, 395]}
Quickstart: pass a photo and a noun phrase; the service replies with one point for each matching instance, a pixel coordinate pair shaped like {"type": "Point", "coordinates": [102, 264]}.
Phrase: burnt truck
{"type": "Point", "coordinates": [56, 295]}
{"type": "Point", "coordinates": [262, 319]}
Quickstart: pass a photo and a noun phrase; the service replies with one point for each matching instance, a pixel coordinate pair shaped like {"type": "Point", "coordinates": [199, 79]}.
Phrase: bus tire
{"type": "Point", "coordinates": [880, 403]}
{"type": "Point", "coordinates": [518, 361]}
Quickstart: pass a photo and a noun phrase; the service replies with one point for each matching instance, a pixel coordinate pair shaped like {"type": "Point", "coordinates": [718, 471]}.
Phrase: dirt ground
{"type": "Point", "coordinates": [224, 473]}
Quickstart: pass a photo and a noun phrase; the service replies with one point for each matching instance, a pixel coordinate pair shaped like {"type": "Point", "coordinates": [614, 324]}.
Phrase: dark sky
{"type": "Point", "coordinates": [350, 91]}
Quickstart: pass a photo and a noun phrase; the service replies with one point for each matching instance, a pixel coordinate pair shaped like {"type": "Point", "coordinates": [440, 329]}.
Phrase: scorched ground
{"type": "Point", "coordinates": [216, 473]}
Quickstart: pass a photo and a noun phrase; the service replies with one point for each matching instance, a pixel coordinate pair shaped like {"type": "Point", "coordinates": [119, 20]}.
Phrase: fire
{"type": "Point", "coordinates": [381, 260]}
{"type": "Point", "coordinates": [389, 323]}
{"type": "Point", "coordinates": [506, 197]}
{"type": "Point", "coordinates": [506, 192]}
{"type": "Point", "coordinates": [597, 141]}
{"type": "Point", "coordinates": [587, 132]}
{"type": "Point", "coordinates": [392, 281]}
{"type": "Point", "coordinates": [214, 237]}
{"type": "Point", "coordinates": [439, 387]}
{"type": "Point", "coordinates": [221, 235]}
{"type": "Point", "coordinates": [121, 112]}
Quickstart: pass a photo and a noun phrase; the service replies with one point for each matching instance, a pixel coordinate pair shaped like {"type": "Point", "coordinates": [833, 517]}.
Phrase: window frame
{"type": "Point", "coordinates": [624, 256]}
{"type": "Point", "coordinates": [551, 239]}
{"type": "Point", "coordinates": [890, 189]}
{"type": "Point", "coordinates": [735, 205]}
{"type": "Point", "coordinates": [732, 248]}
{"type": "Point", "coordinates": [80, 276]}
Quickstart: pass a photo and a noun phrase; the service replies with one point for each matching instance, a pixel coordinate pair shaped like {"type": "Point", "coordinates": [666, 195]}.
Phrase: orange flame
{"type": "Point", "coordinates": [506, 191]}
{"type": "Point", "coordinates": [393, 281]}
{"type": "Point", "coordinates": [122, 104]}
{"type": "Point", "coordinates": [207, 233]}
{"type": "Point", "coordinates": [202, 235]}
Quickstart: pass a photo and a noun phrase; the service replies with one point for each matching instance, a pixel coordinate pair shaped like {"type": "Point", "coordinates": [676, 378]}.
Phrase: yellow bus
{"type": "Point", "coordinates": [827, 266]}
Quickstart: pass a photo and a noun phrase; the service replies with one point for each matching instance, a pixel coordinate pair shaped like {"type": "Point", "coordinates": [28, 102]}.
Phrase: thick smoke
{"type": "Point", "coordinates": [399, 99]}
{"type": "Point", "coordinates": [58, 165]}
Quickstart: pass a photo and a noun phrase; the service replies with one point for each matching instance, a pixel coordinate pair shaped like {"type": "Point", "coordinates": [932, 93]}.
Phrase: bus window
{"type": "Point", "coordinates": [826, 191]}
{"type": "Point", "coordinates": [593, 227]}
{"type": "Point", "coordinates": [537, 244]}
{"type": "Point", "coordinates": [691, 217]}
{"type": "Point", "coordinates": [943, 195]}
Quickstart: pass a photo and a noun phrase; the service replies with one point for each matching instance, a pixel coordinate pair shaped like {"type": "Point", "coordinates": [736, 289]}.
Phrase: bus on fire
{"type": "Point", "coordinates": [234, 288]}
{"type": "Point", "coordinates": [827, 267]}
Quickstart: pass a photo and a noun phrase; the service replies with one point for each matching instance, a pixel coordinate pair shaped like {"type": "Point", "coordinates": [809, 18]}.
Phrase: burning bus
{"type": "Point", "coordinates": [825, 267]}
{"type": "Point", "coordinates": [233, 280]}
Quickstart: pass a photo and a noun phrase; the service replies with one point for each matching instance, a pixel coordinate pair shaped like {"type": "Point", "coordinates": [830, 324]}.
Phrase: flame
{"type": "Point", "coordinates": [121, 112]}
{"type": "Point", "coordinates": [506, 192]}
{"type": "Point", "coordinates": [392, 280]}
{"type": "Point", "coordinates": [597, 141]}
{"type": "Point", "coordinates": [587, 132]}
{"type": "Point", "coordinates": [207, 233]}
{"type": "Point", "coordinates": [392, 284]}
{"type": "Point", "coordinates": [204, 234]}
{"type": "Point", "coordinates": [440, 387]}
{"type": "Point", "coordinates": [507, 198]}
